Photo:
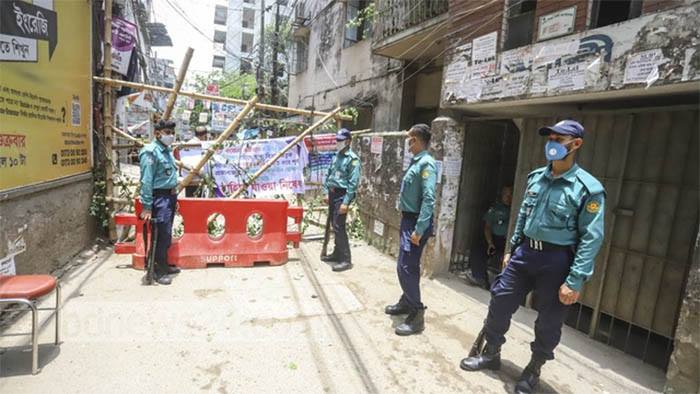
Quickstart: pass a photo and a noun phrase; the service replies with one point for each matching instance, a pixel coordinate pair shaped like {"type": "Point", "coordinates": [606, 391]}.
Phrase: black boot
{"type": "Point", "coordinates": [400, 308]}
{"type": "Point", "coordinates": [163, 279]}
{"type": "Point", "coordinates": [173, 270]}
{"type": "Point", "coordinates": [414, 324]}
{"type": "Point", "coordinates": [489, 359]}
{"type": "Point", "coordinates": [330, 258]}
{"type": "Point", "coordinates": [530, 376]}
{"type": "Point", "coordinates": [342, 266]}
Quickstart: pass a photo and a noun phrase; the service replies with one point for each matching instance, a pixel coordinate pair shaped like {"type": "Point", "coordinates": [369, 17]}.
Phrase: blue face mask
{"type": "Point", "coordinates": [555, 151]}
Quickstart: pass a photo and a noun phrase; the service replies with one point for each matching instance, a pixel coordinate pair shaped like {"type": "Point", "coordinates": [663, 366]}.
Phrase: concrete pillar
{"type": "Point", "coordinates": [684, 367]}
{"type": "Point", "coordinates": [446, 146]}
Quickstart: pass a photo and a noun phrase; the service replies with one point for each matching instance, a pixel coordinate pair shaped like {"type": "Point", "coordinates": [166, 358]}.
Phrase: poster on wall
{"type": "Point", "coordinates": [484, 55]}
{"type": "Point", "coordinates": [556, 24]}
{"type": "Point", "coordinates": [44, 91]}
{"type": "Point", "coordinates": [123, 44]}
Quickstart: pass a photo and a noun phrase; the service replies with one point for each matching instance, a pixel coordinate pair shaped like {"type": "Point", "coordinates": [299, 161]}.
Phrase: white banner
{"type": "Point", "coordinates": [235, 164]}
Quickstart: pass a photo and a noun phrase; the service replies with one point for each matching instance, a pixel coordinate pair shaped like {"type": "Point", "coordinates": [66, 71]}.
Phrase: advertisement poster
{"type": "Point", "coordinates": [321, 150]}
{"type": "Point", "coordinates": [123, 43]}
{"type": "Point", "coordinates": [45, 91]}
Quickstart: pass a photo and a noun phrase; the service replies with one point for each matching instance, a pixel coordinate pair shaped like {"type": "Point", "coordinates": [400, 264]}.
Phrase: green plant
{"type": "Point", "coordinates": [98, 203]}
{"type": "Point", "coordinates": [356, 227]}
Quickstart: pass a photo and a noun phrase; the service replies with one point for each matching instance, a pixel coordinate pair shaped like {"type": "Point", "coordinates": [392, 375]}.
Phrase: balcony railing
{"type": "Point", "coordinates": [395, 16]}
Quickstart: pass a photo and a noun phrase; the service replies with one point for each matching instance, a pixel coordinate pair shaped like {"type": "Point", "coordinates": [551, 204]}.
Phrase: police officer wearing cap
{"type": "Point", "coordinates": [158, 194]}
{"type": "Point", "coordinates": [558, 233]}
{"type": "Point", "coordinates": [416, 203]}
{"type": "Point", "coordinates": [341, 185]}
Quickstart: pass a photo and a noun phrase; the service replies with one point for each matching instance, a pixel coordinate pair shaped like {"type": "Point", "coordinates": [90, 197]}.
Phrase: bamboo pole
{"type": "Point", "coordinates": [140, 143]}
{"type": "Point", "coordinates": [178, 83]}
{"type": "Point", "coordinates": [210, 151]}
{"type": "Point", "coordinates": [218, 99]}
{"type": "Point", "coordinates": [281, 153]}
{"type": "Point", "coordinates": [107, 119]}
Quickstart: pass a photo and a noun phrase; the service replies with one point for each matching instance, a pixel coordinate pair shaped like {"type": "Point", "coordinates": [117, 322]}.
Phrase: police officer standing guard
{"type": "Point", "coordinates": [341, 186]}
{"type": "Point", "coordinates": [416, 202]}
{"type": "Point", "coordinates": [558, 233]}
{"type": "Point", "coordinates": [495, 230]}
{"type": "Point", "coordinates": [158, 194]}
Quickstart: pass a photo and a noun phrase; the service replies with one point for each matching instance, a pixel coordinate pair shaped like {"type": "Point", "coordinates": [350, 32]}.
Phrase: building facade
{"type": "Point", "coordinates": [628, 70]}
{"type": "Point", "coordinates": [237, 31]}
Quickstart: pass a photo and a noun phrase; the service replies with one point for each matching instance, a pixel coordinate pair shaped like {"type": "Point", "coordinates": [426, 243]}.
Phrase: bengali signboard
{"type": "Point", "coordinates": [44, 91]}
{"type": "Point", "coordinates": [232, 165]}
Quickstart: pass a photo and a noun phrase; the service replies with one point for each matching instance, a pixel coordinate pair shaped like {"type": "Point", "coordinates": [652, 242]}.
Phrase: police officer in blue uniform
{"type": "Point", "coordinates": [558, 233]}
{"type": "Point", "coordinates": [495, 230]}
{"type": "Point", "coordinates": [341, 185]}
{"type": "Point", "coordinates": [158, 194]}
{"type": "Point", "coordinates": [416, 203]}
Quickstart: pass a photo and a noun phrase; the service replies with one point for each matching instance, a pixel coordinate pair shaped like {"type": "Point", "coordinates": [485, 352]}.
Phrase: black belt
{"type": "Point", "coordinates": [409, 215]}
{"type": "Point", "coordinates": [338, 190]}
{"type": "Point", "coordinates": [163, 192]}
{"type": "Point", "coordinates": [545, 246]}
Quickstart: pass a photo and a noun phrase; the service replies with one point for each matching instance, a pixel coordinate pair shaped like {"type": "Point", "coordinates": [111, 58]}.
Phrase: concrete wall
{"type": "Point", "coordinates": [53, 223]}
{"type": "Point", "coordinates": [349, 75]}
{"type": "Point", "coordinates": [684, 368]}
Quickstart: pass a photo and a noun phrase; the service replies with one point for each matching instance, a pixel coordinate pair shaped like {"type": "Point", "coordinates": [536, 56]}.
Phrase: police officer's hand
{"type": "Point", "coordinates": [491, 250]}
{"type": "Point", "coordinates": [145, 215]}
{"type": "Point", "coordinates": [506, 259]}
{"type": "Point", "coordinates": [343, 209]}
{"type": "Point", "coordinates": [567, 296]}
{"type": "Point", "coordinates": [325, 199]}
{"type": "Point", "coordinates": [415, 239]}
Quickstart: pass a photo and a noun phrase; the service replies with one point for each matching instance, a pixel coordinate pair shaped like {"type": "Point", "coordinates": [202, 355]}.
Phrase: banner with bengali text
{"type": "Point", "coordinates": [45, 97]}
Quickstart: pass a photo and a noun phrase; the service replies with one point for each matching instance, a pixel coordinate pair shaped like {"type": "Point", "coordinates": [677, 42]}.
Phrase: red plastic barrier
{"type": "Point", "coordinates": [197, 249]}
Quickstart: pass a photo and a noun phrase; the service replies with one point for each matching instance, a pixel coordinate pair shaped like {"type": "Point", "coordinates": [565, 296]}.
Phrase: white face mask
{"type": "Point", "coordinates": [340, 145]}
{"type": "Point", "coordinates": [167, 139]}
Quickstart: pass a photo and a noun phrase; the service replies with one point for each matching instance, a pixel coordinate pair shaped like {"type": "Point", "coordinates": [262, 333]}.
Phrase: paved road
{"type": "Point", "coordinates": [293, 328]}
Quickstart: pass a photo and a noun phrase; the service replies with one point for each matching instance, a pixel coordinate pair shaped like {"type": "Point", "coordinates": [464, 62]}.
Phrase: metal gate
{"type": "Point", "coordinates": [648, 162]}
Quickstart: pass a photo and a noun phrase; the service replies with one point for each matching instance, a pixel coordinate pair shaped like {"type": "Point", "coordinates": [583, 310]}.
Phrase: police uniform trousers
{"type": "Point", "coordinates": [480, 263]}
{"type": "Point", "coordinates": [164, 202]}
{"type": "Point", "coordinates": [543, 271]}
{"type": "Point", "coordinates": [408, 265]}
{"type": "Point", "coordinates": [338, 221]}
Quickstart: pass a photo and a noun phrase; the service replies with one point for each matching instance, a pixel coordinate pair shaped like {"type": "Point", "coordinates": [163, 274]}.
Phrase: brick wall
{"type": "Point", "coordinates": [651, 6]}
{"type": "Point", "coordinates": [545, 7]}
{"type": "Point", "coordinates": [473, 18]}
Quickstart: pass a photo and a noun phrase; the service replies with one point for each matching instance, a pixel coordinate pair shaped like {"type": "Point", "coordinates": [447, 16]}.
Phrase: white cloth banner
{"type": "Point", "coordinates": [235, 164]}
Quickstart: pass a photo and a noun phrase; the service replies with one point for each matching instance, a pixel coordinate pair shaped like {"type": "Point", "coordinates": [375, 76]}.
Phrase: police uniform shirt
{"type": "Point", "coordinates": [497, 217]}
{"type": "Point", "coordinates": [158, 171]}
{"type": "Point", "coordinates": [344, 173]}
{"type": "Point", "coordinates": [418, 190]}
{"type": "Point", "coordinates": [566, 210]}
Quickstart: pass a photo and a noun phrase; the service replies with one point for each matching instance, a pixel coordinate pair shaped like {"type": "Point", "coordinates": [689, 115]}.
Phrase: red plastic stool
{"type": "Point", "coordinates": [26, 289]}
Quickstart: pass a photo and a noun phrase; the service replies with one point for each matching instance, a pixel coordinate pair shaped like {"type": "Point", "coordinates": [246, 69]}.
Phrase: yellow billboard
{"type": "Point", "coordinates": [45, 90]}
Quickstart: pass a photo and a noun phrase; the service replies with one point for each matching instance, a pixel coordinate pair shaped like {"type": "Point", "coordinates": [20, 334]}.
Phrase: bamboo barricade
{"type": "Point", "coordinates": [210, 151]}
{"type": "Point", "coordinates": [281, 153]}
{"type": "Point", "coordinates": [107, 117]}
{"type": "Point", "coordinates": [218, 99]}
{"type": "Point", "coordinates": [178, 84]}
